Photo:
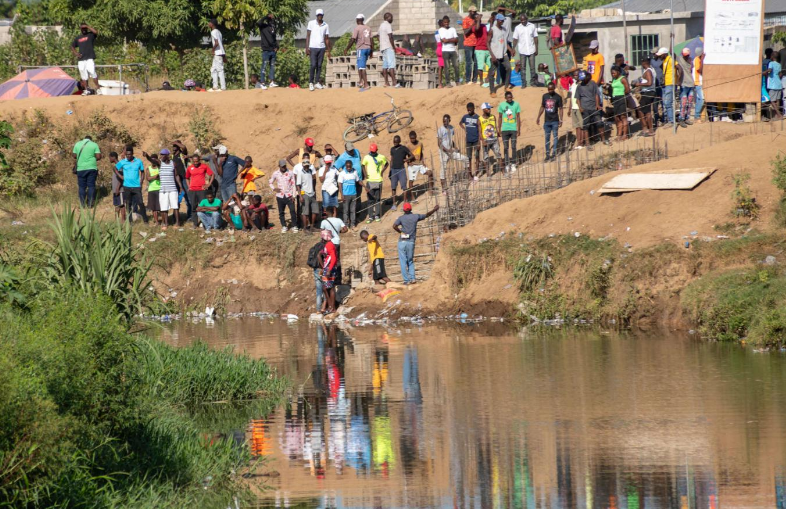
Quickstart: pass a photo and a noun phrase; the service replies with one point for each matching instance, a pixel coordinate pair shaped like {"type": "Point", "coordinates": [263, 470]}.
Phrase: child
{"type": "Point", "coordinates": [257, 214]}
{"type": "Point", "coordinates": [249, 174]}
{"type": "Point", "coordinates": [293, 81]}
{"type": "Point", "coordinates": [440, 60]}
{"type": "Point", "coordinates": [234, 212]}
{"type": "Point", "coordinates": [117, 189]}
{"type": "Point", "coordinates": [489, 134]}
{"type": "Point", "coordinates": [446, 137]}
{"type": "Point", "coordinates": [376, 258]}
{"type": "Point", "coordinates": [417, 165]}
{"type": "Point", "coordinates": [153, 187]}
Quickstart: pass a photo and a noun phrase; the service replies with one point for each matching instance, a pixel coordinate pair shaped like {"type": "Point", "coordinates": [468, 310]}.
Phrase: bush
{"type": "Point", "coordinates": [532, 272]}
{"type": "Point", "coordinates": [202, 127]}
{"type": "Point", "coordinates": [744, 202]}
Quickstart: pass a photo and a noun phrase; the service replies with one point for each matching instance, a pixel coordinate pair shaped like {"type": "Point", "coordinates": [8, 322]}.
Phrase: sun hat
{"type": "Point", "coordinates": [407, 207]}
{"type": "Point", "coordinates": [373, 147]}
{"type": "Point", "coordinates": [473, 8]}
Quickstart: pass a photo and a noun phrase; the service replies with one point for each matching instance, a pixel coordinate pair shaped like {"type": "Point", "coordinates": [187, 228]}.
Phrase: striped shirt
{"type": "Point", "coordinates": [167, 177]}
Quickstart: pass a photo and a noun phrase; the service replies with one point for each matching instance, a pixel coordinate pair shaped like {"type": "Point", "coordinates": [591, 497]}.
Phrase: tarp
{"type": "Point", "coordinates": [696, 42]}
{"type": "Point", "coordinates": [49, 82]}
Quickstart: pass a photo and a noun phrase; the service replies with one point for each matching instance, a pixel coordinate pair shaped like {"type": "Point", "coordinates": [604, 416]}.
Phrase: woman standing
{"type": "Point", "coordinates": [619, 92]}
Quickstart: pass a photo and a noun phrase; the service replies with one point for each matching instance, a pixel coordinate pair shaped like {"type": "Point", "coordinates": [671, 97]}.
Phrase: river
{"type": "Point", "coordinates": [485, 416]}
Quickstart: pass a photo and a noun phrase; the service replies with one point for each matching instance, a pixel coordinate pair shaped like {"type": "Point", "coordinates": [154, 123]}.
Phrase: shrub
{"type": "Point", "coordinates": [744, 202]}
{"type": "Point", "coordinates": [533, 271]}
{"type": "Point", "coordinates": [203, 129]}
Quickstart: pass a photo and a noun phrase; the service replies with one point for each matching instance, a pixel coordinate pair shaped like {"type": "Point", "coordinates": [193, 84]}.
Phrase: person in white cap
{"type": "Point", "coordinates": [361, 36]}
{"type": "Point", "coordinates": [318, 40]}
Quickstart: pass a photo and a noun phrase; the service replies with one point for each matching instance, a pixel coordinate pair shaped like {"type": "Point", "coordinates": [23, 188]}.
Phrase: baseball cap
{"type": "Point", "coordinates": [594, 44]}
{"type": "Point", "coordinates": [320, 11]}
{"type": "Point", "coordinates": [373, 147]}
{"type": "Point", "coordinates": [583, 75]}
{"type": "Point", "coordinates": [328, 158]}
{"type": "Point", "coordinates": [349, 146]}
{"type": "Point", "coordinates": [310, 142]}
{"type": "Point", "coordinates": [485, 106]}
{"type": "Point", "coordinates": [686, 51]}
{"type": "Point", "coordinates": [662, 51]}
{"type": "Point", "coordinates": [360, 16]}
{"type": "Point", "coordinates": [699, 51]}
{"type": "Point", "coordinates": [499, 17]}
{"type": "Point", "coordinates": [221, 149]}
{"type": "Point", "coordinates": [306, 161]}
{"type": "Point", "coordinates": [164, 152]}
{"type": "Point", "coordinates": [282, 163]}
{"type": "Point", "coordinates": [407, 207]}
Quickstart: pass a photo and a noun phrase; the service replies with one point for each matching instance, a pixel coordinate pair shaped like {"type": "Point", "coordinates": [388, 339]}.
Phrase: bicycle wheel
{"type": "Point", "coordinates": [381, 121]}
{"type": "Point", "coordinates": [400, 120]}
{"type": "Point", "coordinates": [357, 132]}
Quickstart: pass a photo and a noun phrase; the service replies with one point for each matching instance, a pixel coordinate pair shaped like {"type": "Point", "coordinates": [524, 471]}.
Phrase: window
{"type": "Point", "coordinates": [641, 45]}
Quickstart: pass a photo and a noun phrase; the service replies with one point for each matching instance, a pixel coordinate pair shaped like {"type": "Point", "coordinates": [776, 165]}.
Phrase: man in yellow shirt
{"type": "Point", "coordinates": [376, 258]}
{"type": "Point", "coordinates": [249, 174]}
{"type": "Point", "coordinates": [669, 69]}
{"type": "Point", "coordinates": [374, 166]}
{"type": "Point", "coordinates": [595, 65]}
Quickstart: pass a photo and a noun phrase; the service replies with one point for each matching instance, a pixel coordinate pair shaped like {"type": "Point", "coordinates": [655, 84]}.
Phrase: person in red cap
{"type": "Point", "coordinates": [407, 228]}
{"type": "Point", "coordinates": [306, 150]}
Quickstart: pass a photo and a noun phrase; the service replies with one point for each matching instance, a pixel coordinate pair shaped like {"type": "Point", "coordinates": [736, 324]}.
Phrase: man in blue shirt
{"type": "Point", "coordinates": [130, 171]}
{"type": "Point", "coordinates": [228, 167]}
{"type": "Point", "coordinates": [407, 228]}
{"type": "Point", "coordinates": [471, 125]}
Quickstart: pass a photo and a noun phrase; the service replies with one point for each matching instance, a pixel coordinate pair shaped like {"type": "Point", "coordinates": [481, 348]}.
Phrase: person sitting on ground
{"type": "Point", "coordinates": [417, 166]}
{"type": "Point", "coordinates": [208, 211]}
{"type": "Point", "coordinates": [306, 187]}
{"type": "Point", "coordinates": [376, 258]}
{"type": "Point", "coordinates": [399, 157]}
{"type": "Point", "coordinates": [249, 175]}
{"type": "Point", "coordinates": [374, 166]}
{"type": "Point", "coordinates": [329, 262]}
{"type": "Point", "coordinates": [255, 83]}
{"type": "Point", "coordinates": [258, 213]}
{"type": "Point", "coordinates": [234, 212]}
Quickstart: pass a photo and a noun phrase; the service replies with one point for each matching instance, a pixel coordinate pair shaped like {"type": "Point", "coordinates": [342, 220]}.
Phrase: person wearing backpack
{"type": "Point", "coordinates": [315, 262]}
{"type": "Point", "coordinates": [336, 227]}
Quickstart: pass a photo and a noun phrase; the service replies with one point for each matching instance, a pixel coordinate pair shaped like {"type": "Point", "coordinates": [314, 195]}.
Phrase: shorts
{"type": "Point", "coordinates": [775, 95]}
{"type": "Point", "coordinates": [389, 58]}
{"type": "Point", "coordinates": [329, 201]}
{"type": "Point", "coordinates": [378, 269]}
{"type": "Point", "coordinates": [237, 221]}
{"type": "Point", "coordinates": [620, 104]}
{"type": "Point", "coordinates": [87, 68]}
{"type": "Point", "coordinates": [398, 178]}
{"type": "Point", "coordinates": [590, 118]}
{"type": "Point", "coordinates": [117, 200]}
{"type": "Point", "coordinates": [491, 145]}
{"type": "Point", "coordinates": [473, 148]}
{"type": "Point", "coordinates": [445, 158]}
{"type": "Point", "coordinates": [363, 55]}
{"type": "Point", "coordinates": [575, 116]}
{"type": "Point", "coordinates": [647, 98]}
{"type": "Point", "coordinates": [168, 200]}
{"type": "Point", "coordinates": [329, 279]}
{"type": "Point", "coordinates": [310, 205]}
{"type": "Point", "coordinates": [484, 59]}
{"type": "Point", "coordinates": [152, 201]}
{"type": "Point", "coordinates": [414, 169]}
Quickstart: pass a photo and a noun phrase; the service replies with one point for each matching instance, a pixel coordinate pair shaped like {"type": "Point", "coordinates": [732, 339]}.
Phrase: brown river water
{"type": "Point", "coordinates": [486, 416]}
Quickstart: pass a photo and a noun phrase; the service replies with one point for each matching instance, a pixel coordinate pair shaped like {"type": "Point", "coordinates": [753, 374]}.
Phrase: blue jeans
{"type": "Point", "coordinates": [406, 258]}
{"type": "Point", "coordinates": [87, 186]}
{"type": "Point", "coordinates": [470, 64]}
{"type": "Point", "coordinates": [698, 94]}
{"type": "Point", "coordinates": [209, 220]}
{"type": "Point", "coordinates": [329, 201]}
{"type": "Point", "coordinates": [668, 102]}
{"type": "Point", "coordinates": [552, 129]}
{"type": "Point", "coordinates": [686, 101]}
{"type": "Point", "coordinates": [318, 285]}
{"type": "Point", "coordinates": [228, 188]}
{"type": "Point", "coordinates": [268, 57]}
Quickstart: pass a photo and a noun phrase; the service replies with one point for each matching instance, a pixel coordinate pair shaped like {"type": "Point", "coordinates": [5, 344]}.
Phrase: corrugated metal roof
{"type": "Point", "coordinates": [770, 6]}
{"type": "Point", "coordinates": [340, 14]}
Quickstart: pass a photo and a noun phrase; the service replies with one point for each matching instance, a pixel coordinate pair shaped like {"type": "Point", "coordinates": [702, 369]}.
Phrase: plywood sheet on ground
{"type": "Point", "coordinates": [682, 179]}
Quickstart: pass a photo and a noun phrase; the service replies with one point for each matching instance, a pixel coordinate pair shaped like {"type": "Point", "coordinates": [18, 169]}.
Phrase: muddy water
{"type": "Point", "coordinates": [477, 416]}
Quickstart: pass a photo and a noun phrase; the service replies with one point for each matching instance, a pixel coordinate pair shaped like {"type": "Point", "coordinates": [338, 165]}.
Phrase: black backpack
{"type": "Point", "coordinates": [313, 255]}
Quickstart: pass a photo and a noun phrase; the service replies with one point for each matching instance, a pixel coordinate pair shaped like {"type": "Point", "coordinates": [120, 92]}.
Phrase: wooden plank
{"type": "Point", "coordinates": [655, 180]}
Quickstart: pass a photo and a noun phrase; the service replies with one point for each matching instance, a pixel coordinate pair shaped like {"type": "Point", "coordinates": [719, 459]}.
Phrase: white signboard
{"type": "Point", "coordinates": [732, 32]}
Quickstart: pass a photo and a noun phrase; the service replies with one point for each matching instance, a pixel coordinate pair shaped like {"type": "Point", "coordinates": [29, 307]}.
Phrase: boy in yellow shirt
{"type": "Point", "coordinates": [249, 174]}
{"type": "Point", "coordinates": [376, 258]}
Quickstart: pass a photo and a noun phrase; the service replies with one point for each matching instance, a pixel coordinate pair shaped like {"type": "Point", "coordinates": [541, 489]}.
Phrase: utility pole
{"type": "Point", "coordinates": [673, 73]}
{"type": "Point", "coordinates": [625, 32]}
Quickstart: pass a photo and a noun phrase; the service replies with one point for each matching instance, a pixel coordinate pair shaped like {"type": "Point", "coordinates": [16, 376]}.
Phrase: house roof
{"type": "Point", "coordinates": [340, 14]}
{"type": "Point", "coordinates": [770, 6]}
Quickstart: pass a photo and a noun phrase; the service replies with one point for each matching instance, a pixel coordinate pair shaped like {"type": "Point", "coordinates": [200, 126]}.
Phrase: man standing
{"type": "Point", "coordinates": [656, 64]}
{"type": "Point", "coordinates": [698, 79]}
{"type": "Point", "coordinates": [374, 166]}
{"type": "Point", "coordinates": [525, 40]}
{"type": "Point", "coordinates": [306, 187]}
{"type": "Point", "coordinates": [595, 65]}
{"type": "Point", "coordinates": [686, 90]}
{"type": "Point", "coordinates": [470, 43]}
{"type": "Point", "coordinates": [551, 104]}
{"type": "Point", "coordinates": [170, 182]}
{"type": "Point", "coordinates": [449, 38]}
{"type": "Point", "coordinates": [228, 168]}
{"type": "Point", "coordinates": [498, 50]}
{"type": "Point", "coordinates": [83, 49]}
{"type": "Point", "coordinates": [589, 106]}
{"type": "Point", "coordinates": [387, 48]}
{"type": "Point", "coordinates": [509, 121]}
{"type": "Point", "coordinates": [349, 184]}
{"type": "Point", "coordinates": [87, 154]}
{"type": "Point", "coordinates": [669, 70]}
{"type": "Point", "coordinates": [575, 113]}
{"type": "Point", "coordinates": [283, 183]}
{"type": "Point", "coordinates": [399, 157]}
{"type": "Point", "coordinates": [489, 136]}
{"type": "Point", "coordinates": [407, 228]}
{"type": "Point", "coordinates": [199, 177]}
{"type": "Point", "coordinates": [269, 43]}
{"type": "Point", "coordinates": [470, 123]}
{"type": "Point", "coordinates": [481, 33]}
{"type": "Point", "coordinates": [179, 158]}
{"type": "Point", "coordinates": [130, 170]}
{"type": "Point", "coordinates": [219, 57]}
{"type": "Point", "coordinates": [361, 37]}
{"type": "Point", "coordinates": [318, 38]}
{"type": "Point", "coordinates": [774, 85]}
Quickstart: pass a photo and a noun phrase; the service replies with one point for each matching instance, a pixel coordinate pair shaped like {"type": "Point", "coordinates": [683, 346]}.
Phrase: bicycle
{"type": "Point", "coordinates": [371, 123]}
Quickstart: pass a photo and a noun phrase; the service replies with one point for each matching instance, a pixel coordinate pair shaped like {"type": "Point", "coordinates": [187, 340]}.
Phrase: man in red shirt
{"type": "Point", "coordinates": [470, 40]}
{"type": "Point", "coordinates": [199, 176]}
